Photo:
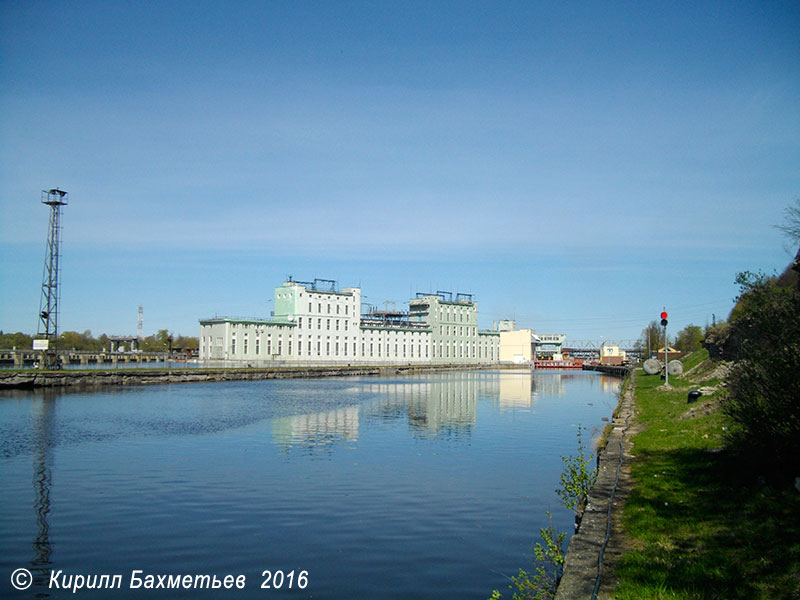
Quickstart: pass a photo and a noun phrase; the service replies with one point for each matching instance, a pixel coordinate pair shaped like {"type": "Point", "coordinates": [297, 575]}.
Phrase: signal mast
{"type": "Point", "coordinates": [47, 331]}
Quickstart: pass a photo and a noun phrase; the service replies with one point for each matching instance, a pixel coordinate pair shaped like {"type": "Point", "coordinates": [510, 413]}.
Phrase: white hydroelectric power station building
{"type": "Point", "coordinates": [316, 323]}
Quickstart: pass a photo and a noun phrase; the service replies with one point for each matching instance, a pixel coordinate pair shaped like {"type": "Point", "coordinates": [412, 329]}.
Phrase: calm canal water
{"type": "Point", "coordinates": [428, 486]}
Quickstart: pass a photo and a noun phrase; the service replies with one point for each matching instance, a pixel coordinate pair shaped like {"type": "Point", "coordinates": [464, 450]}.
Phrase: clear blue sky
{"type": "Point", "coordinates": [576, 166]}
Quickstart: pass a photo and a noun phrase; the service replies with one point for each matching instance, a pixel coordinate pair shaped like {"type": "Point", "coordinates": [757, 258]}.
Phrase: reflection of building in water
{"type": "Point", "coordinates": [446, 404]}
{"type": "Point", "coordinates": [318, 429]}
{"type": "Point", "coordinates": [395, 397]}
{"type": "Point", "coordinates": [554, 384]}
{"type": "Point", "coordinates": [550, 384]}
{"type": "Point", "coordinates": [610, 385]}
{"type": "Point", "coordinates": [516, 389]}
{"type": "Point", "coordinates": [450, 404]}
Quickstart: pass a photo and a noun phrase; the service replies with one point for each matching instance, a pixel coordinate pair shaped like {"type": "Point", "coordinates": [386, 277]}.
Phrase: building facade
{"type": "Point", "coordinates": [314, 324]}
{"type": "Point", "coordinates": [611, 354]}
{"type": "Point", "coordinates": [453, 324]}
{"type": "Point", "coordinates": [516, 346]}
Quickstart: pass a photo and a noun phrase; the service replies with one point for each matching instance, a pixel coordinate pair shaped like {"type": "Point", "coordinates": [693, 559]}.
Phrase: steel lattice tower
{"type": "Point", "coordinates": [48, 305]}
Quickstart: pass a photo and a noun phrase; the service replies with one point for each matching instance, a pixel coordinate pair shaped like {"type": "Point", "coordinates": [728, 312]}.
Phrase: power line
{"type": "Point", "coordinates": [628, 318]}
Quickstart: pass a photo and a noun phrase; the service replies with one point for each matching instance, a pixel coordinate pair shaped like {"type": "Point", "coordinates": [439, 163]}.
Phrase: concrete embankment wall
{"type": "Point", "coordinates": [30, 379]}
{"type": "Point", "coordinates": [619, 371]}
{"type": "Point", "coordinates": [583, 559]}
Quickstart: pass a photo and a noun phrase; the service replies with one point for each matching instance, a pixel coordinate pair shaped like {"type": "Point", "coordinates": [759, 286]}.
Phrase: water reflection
{"type": "Point", "coordinates": [554, 384]}
{"type": "Point", "coordinates": [442, 407]}
{"type": "Point", "coordinates": [608, 384]}
{"type": "Point", "coordinates": [515, 390]}
{"type": "Point", "coordinates": [317, 431]}
{"type": "Point", "coordinates": [447, 408]}
{"type": "Point", "coordinates": [43, 423]}
{"type": "Point", "coordinates": [180, 489]}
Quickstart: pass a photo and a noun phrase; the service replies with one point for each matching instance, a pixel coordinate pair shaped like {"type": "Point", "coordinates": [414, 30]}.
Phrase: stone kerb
{"type": "Point", "coordinates": [581, 563]}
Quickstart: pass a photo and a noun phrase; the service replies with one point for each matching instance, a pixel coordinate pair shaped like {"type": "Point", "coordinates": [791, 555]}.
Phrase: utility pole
{"type": "Point", "coordinates": [666, 359]}
{"type": "Point", "coordinates": [47, 331]}
{"type": "Point", "coordinates": [666, 352]}
{"type": "Point", "coordinates": [140, 328]}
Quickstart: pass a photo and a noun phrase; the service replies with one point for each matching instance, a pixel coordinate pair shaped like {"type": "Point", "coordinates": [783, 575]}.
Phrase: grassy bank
{"type": "Point", "coordinates": [697, 523]}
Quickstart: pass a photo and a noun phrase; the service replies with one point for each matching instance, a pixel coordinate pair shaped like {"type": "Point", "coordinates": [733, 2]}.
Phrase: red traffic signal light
{"type": "Point", "coordinates": [664, 315]}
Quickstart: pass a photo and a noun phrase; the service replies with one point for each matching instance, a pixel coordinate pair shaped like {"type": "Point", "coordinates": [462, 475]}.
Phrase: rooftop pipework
{"type": "Point", "coordinates": [388, 318]}
{"type": "Point", "coordinates": [330, 286]}
{"type": "Point", "coordinates": [460, 298]}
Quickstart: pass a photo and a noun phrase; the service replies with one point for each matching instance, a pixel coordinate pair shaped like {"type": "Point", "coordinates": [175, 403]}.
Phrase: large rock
{"type": "Point", "coordinates": [652, 366]}
{"type": "Point", "coordinates": [720, 343]}
{"type": "Point", "coordinates": [675, 367]}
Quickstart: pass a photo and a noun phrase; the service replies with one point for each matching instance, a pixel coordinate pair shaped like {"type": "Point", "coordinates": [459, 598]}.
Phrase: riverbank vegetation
{"type": "Point", "coordinates": [763, 395]}
{"type": "Point", "coordinates": [714, 508]}
{"type": "Point", "coordinates": [688, 339]}
{"type": "Point", "coordinates": [577, 479]}
{"type": "Point", "coordinates": [542, 582]}
{"type": "Point", "coordinates": [161, 341]}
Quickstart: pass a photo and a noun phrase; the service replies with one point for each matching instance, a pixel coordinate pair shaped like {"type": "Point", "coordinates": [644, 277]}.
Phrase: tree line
{"type": "Point", "coordinates": [162, 341]}
{"type": "Point", "coordinates": [688, 339]}
{"type": "Point", "coordinates": [762, 339]}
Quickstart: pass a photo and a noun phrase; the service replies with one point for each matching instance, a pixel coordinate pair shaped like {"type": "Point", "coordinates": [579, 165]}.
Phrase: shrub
{"type": "Point", "coordinates": [763, 397]}
{"type": "Point", "coordinates": [542, 583]}
{"type": "Point", "coordinates": [576, 479]}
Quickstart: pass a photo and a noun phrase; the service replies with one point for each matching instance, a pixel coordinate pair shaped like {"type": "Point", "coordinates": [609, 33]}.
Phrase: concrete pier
{"type": "Point", "coordinates": [619, 371]}
{"type": "Point", "coordinates": [31, 379]}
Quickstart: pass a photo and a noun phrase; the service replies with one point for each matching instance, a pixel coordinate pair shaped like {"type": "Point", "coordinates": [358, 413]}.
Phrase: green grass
{"type": "Point", "coordinates": [701, 525]}
{"type": "Point", "coordinates": [695, 358]}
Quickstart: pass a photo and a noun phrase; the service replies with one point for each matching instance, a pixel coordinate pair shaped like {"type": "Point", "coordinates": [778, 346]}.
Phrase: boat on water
{"type": "Point", "coordinates": [564, 363]}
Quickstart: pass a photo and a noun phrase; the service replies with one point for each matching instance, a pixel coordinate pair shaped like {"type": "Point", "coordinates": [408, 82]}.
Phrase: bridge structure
{"type": "Point", "coordinates": [590, 349]}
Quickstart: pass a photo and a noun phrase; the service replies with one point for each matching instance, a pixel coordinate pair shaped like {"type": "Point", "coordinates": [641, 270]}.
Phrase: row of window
{"type": "Point", "coordinates": [456, 314]}
{"type": "Point", "coordinates": [310, 323]}
{"type": "Point", "coordinates": [445, 350]}
{"type": "Point", "coordinates": [368, 348]}
{"type": "Point", "coordinates": [329, 308]}
{"type": "Point", "coordinates": [315, 348]}
{"type": "Point", "coordinates": [466, 350]}
{"type": "Point", "coordinates": [461, 331]}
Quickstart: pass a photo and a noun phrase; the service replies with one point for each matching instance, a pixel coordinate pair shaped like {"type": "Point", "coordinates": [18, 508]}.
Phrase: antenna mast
{"type": "Point", "coordinates": [47, 331]}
